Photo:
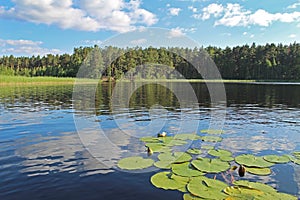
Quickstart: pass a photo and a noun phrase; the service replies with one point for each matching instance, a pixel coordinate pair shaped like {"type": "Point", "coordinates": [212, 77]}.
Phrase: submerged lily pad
{"type": "Point", "coordinates": [219, 153]}
{"type": "Point", "coordinates": [211, 138]}
{"type": "Point", "coordinates": [187, 136]}
{"type": "Point", "coordinates": [194, 151]}
{"type": "Point", "coordinates": [176, 157]}
{"type": "Point", "coordinates": [277, 159]}
{"type": "Point", "coordinates": [186, 170]}
{"type": "Point", "coordinates": [207, 188]}
{"type": "Point", "coordinates": [169, 181]}
{"type": "Point", "coordinates": [212, 131]}
{"type": "Point", "coordinates": [252, 161]}
{"type": "Point", "coordinates": [258, 171]}
{"type": "Point", "coordinates": [134, 163]}
{"type": "Point", "coordinates": [210, 165]}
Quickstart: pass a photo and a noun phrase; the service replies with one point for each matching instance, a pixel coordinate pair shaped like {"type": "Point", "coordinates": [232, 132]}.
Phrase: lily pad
{"type": "Point", "coordinates": [242, 193]}
{"type": "Point", "coordinates": [194, 151]}
{"type": "Point", "coordinates": [220, 153]}
{"type": "Point", "coordinates": [157, 147]}
{"type": "Point", "coordinates": [212, 131]}
{"type": "Point", "coordinates": [186, 170]}
{"type": "Point", "coordinates": [258, 171]}
{"type": "Point", "coordinates": [252, 161]}
{"type": "Point", "coordinates": [277, 159]}
{"type": "Point", "coordinates": [187, 136]}
{"type": "Point", "coordinates": [226, 158]}
{"type": "Point", "coordinates": [207, 188]}
{"type": "Point", "coordinates": [211, 138]}
{"type": "Point", "coordinates": [255, 185]}
{"type": "Point", "coordinates": [208, 147]}
{"type": "Point", "coordinates": [190, 197]}
{"type": "Point", "coordinates": [169, 181]}
{"type": "Point", "coordinates": [135, 163]}
{"type": "Point", "coordinates": [210, 165]}
{"type": "Point", "coordinates": [149, 139]}
{"type": "Point", "coordinates": [176, 157]}
{"type": "Point", "coordinates": [163, 164]}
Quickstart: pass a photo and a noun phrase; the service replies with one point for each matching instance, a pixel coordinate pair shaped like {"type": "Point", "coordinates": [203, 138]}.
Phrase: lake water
{"type": "Point", "coordinates": [42, 156]}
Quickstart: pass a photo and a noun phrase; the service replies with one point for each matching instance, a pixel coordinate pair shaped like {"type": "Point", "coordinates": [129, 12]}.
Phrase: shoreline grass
{"type": "Point", "coordinates": [47, 80]}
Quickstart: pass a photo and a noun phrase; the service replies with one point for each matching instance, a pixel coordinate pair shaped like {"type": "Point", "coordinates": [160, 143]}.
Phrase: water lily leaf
{"type": "Point", "coordinates": [186, 170]}
{"type": "Point", "coordinates": [208, 147]}
{"type": "Point", "coordinates": [176, 157]}
{"type": "Point", "coordinates": [255, 185]}
{"type": "Point", "coordinates": [207, 188]}
{"type": "Point", "coordinates": [169, 181]}
{"type": "Point", "coordinates": [283, 196]}
{"type": "Point", "coordinates": [194, 151]}
{"type": "Point", "coordinates": [163, 164]}
{"type": "Point", "coordinates": [219, 153]}
{"type": "Point", "coordinates": [211, 138]}
{"type": "Point", "coordinates": [226, 158]}
{"type": "Point", "coordinates": [277, 159]}
{"type": "Point", "coordinates": [258, 171]}
{"type": "Point", "coordinates": [157, 147]}
{"type": "Point", "coordinates": [190, 197]}
{"type": "Point", "coordinates": [212, 131]}
{"type": "Point", "coordinates": [176, 143]}
{"type": "Point", "coordinates": [149, 139]}
{"type": "Point", "coordinates": [134, 163]}
{"type": "Point", "coordinates": [242, 192]}
{"type": "Point", "coordinates": [187, 136]}
{"type": "Point", "coordinates": [252, 161]}
{"type": "Point", "coordinates": [210, 165]}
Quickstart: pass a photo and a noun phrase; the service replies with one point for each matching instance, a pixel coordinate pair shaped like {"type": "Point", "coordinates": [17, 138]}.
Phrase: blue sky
{"type": "Point", "coordinates": [31, 27]}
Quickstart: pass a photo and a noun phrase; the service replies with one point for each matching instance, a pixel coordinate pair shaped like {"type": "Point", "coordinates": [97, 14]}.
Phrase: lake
{"type": "Point", "coordinates": [43, 157]}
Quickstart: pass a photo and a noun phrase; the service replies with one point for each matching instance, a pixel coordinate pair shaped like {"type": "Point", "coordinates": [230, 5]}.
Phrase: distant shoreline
{"type": "Point", "coordinates": [41, 80]}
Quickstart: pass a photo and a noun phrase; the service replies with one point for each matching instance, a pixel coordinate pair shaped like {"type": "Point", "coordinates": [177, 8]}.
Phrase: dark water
{"type": "Point", "coordinates": [42, 156]}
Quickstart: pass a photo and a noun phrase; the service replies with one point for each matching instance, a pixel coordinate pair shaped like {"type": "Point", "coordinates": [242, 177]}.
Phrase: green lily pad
{"type": "Point", "coordinates": [226, 158]}
{"type": "Point", "coordinates": [242, 193]}
{"type": "Point", "coordinates": [255, 185]}
{"type": "Point", "coordinates": [149, 139]}
{"type": "Point", "coordinates": [252, 161]}
{"type": "Point", "coordinates": [208, 147]}
{"type": "Point", "coordinates": [207, 188]}
{"type": "Point", "coordinates": [212, 131]}
{"type": "Point", "coordinates": [157, 147]}
{"type": "Point", "coordinates": [211, 138]}
{"type": "Point", "coordinates": [134, 163]}
{"type": "Point", "coordinates": [220, 153]}
{"type": "Point", "coordinates": [163, 164]}
{"type": "Point", "coordinates": [169, 181]}
{"type": "Point", "coordinates": [258, 171]}
{"type": "Point", "coordinates": [190, 197]}
{"type": "Point", "coordinates": [186, 170]}
{"type": "Point", "coordinates": [176, 157]}
{"type": "Point", "coordinates": [277, 159]}
{"type": "Point", "coordinates": [194, 151]}
{"type": "Point", "coordinates": [187, 136]}
{"type": "Point", "coordinates": [210, 165]}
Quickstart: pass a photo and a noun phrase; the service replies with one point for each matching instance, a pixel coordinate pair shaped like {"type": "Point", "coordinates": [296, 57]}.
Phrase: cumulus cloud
{"type": "Point", "coordinates": [193, 9]}
{"type": "Point", "coordinates": [235, 15]}
{"type": "Point", "coordinates": [86, 15]}
{"type": "Point", "coordinates": [292, 36]}
{"type": "Point", "coordinates": [25, 47]}
{"type": "Point", "coordinates": [179, 32]}
{"type": "Point", "coordinates": [174, 11]}
{"type": "Point", "coordinates": [294, 6]}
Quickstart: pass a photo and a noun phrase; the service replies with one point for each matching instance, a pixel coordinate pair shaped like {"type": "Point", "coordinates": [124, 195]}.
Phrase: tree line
{"type": "Point", "coordinates": [258, 62]}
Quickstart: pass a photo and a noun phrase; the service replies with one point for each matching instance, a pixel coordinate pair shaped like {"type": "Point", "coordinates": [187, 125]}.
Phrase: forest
{"type": "Point", "coordinates": [246, 62]}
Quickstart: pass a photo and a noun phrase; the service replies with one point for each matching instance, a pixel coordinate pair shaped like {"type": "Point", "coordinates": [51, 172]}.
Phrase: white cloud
{"type": "Point", "coordinates": [138, 41]}
{"type": "Point", "coordinates": [174, 11]}
{"type": "Point", "coordinates": [235, 15]}
{"type": "Point", "coordinates": [292, 36]}
{"type": "Point", "coordinates": [252, 36]}
{"type": "Point", "coordinates": [193, 9]}
{"type": "Point", "coordinates": [176, 32]}
{"type": "Point", "coordinates": [92, 42]}
{"type": "Point", "coordinates": [116, 15]}
{"type": "Point", "coordinates": [25, 47]}
{"type": "Point", "coordinates": [294, 6]}
{"type": "Point", "coordinates": [245, 33]}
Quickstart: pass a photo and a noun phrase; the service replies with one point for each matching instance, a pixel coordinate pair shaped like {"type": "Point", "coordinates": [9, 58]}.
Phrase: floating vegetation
{"type": "Point", "coordinates": [207, 188]}
{"type": "Point", "coordinates": [277, 159]}
{"type": "Point", "coordinates": [184, 174]}
{"type": "Point", "coordinates": [135, 163]}
{"type": "Point", "coordinates": [186, 170]}
{"type": "Point", "coordinates": [210, 165]}
{"type": "Point", "coordinates": [212, 131]}
{"type": "Point", "coordinates": [194, 151]}
{"type": "Point", "coordinates": [258, 171]}
{"type": "Point", "coordinates": [252, 161]}
{"type": "Point", "coordinates": [211, 138]}
{"type": "Point", "coordinates": [169, 181]}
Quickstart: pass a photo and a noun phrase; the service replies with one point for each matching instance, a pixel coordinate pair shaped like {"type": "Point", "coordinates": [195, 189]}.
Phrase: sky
{"type": "Point", "coordinates": [39, 27]}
